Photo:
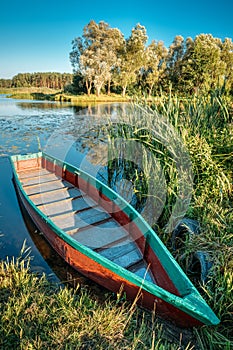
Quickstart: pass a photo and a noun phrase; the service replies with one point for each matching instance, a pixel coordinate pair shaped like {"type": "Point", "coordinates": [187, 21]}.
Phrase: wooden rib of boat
{"type": "Point", "coordinates": [99, 234]}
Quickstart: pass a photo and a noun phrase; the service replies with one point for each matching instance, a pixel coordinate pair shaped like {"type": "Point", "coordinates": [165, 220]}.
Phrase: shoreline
{"type": "Point", "coordinates": [45, 94]}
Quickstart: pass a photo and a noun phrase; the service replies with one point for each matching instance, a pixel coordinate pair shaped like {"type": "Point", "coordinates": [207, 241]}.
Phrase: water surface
{"type": "Point", "coordinates": [26, 127]}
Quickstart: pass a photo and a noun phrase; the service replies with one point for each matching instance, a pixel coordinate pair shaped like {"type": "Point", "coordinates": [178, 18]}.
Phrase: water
{"type": "Point", "coordinates": [60, 129]}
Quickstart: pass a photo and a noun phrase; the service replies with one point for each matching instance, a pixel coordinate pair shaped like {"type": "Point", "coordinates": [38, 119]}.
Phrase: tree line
{"type": "Point", "coordinates": [50, 80]}
{"type": "Point", "coordinates": [104, 61]}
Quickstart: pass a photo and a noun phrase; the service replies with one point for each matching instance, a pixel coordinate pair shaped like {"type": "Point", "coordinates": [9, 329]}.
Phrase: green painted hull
{"type": "Point", "coordinates": [170, 292]}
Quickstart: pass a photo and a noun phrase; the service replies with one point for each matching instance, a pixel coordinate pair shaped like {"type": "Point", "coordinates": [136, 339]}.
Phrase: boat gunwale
{"type": "Point", "coordinates": [185, 302]}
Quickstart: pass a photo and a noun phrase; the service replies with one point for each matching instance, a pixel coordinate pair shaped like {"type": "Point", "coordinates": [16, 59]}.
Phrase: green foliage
{"type": "Point", "coordinates": [205, 124]}
{"type": "Point", "coordinates": [95, 55]}
{"type": "Point", "coordinates": [5, 83]}
{"type": "Point", "coordinates": [35, 314]}
{"type": "Point", "coordinates": [41, 80]}
{"type": "Point", "coordinates": [201, 64]}
{"type": "Point", "coordinates": [104, 62]}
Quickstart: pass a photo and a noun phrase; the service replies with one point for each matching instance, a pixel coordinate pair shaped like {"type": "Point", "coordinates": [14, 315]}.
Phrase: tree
{"type": "Point", "coordinates": [205, 67]}
{"type": "Point", "coordinates": [96, 54]}
{"type": "Point", "coordinates": [154, 68]}
{"type": "Point", "coordinates": [102, 56]}
{"type": "Point", "coordinates": [186, 67]}
{"type": "Point", "coordinates": [50, 80]}
{"type": "Point", "coordinates": [175, 60]}
{"type": "Point", "coordinates": [132, 57]}
{"type": "Point", "coordinates": [80, 62]}
{"type": "Point", "coordinates": [5, 83]}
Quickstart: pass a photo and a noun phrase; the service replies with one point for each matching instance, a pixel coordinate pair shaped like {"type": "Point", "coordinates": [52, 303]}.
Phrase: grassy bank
{"type": "Point", "coordinates": [76, 319]}
{"type": "Point", "coordinates": [28, 91]}
{"type": "Point", "coordinates": [35, 314]}
{"type": "Point", "coordinates": [59, 96]}
{"type": "Point", "coordinates": [92, 98]}
{"type": "Point", "coordinates": [203, 125]}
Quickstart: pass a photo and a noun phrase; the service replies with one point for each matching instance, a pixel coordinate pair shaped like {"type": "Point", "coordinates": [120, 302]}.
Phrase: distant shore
{"type": "Point", "coordinates": [46, 94]}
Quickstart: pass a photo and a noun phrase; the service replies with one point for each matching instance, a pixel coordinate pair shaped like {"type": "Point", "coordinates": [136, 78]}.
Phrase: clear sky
{"type": "Point", "coordinates": [36, 36]}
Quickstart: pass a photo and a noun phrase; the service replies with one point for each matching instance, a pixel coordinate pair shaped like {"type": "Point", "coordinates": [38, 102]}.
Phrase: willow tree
{"type": "Point", "coordinates": [96, 54]}
{"type": "Point", "coordinates": [154, 65]}
{"type": "Point", "coordinates": [207, 64]}
{"type": "Point", "coordinates": [80, 62]}
{"type": "Point", "coordinates": [132, 58]}
{"type": "Point", "coordinates": [175, 60]}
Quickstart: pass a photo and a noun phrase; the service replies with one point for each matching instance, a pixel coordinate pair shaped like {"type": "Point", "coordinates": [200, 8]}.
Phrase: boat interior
{"type": "Point", "coordinates": [79, 215]}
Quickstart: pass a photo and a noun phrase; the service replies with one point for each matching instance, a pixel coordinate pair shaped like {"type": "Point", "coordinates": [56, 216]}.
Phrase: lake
{"type": "Point", "coordinates": [66, 131]}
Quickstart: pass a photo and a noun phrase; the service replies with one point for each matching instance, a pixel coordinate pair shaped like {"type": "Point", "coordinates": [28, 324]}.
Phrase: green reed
{"type": "Point", "coordinates": [199, 128]}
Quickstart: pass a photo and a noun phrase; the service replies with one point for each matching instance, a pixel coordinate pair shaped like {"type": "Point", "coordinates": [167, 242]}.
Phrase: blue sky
{"type": "Point", "coordinates": [36, 36]}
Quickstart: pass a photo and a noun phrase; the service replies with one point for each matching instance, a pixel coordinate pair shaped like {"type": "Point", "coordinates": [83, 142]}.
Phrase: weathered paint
{"type": "Point", "coordinates": [111, 281]}
{"type": "Point", "coordinates": [159, 273]}
{"type": "Point", "coordinates": [186, 310]}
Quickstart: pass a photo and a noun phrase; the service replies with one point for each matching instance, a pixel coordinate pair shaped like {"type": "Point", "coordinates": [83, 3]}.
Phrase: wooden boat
{"type": "Point", "coordinates": [99, 234]}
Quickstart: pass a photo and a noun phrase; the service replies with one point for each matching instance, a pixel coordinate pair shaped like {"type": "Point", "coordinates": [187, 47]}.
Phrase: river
{"type": "Point", "coordinates": [28, 126]}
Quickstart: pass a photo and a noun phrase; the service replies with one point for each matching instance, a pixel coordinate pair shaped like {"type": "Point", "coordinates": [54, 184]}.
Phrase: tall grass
{"type": "Point", "coordinates": [205, 128]}
{"type": "Point", "coordinates": [35, 314]}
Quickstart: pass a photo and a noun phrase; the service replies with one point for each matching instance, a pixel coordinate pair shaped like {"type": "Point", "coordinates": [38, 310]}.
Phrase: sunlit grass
{"type": "Point", "coordinates": [205, 129]}
{"type": "Point", "coordinates": [76, 99]}
{"type": "Point", "coordinates": [43, 93]}
{"type": "Point", "coordinates": [35, 314]}
{"type": "Point", "coordinates": [28, 90]}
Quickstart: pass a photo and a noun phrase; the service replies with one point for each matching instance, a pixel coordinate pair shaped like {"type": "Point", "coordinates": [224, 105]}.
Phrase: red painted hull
{"type": "Point", "coordinates": [103, 276]}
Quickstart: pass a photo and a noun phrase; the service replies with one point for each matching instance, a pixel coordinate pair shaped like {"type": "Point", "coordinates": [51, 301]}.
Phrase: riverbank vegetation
{"type": "Point", "coordinates": [76, 319]}
{"type": "Point", "coordinates": [204, 124]}
{"type": "Point", "coordinates": [50, 80]}
{"type": "Point", "coordinates": [45, 94]}
{"type": "Point", "coordinates": [191, 85]}
{"type": "Point", "coordinates": [37, 314]}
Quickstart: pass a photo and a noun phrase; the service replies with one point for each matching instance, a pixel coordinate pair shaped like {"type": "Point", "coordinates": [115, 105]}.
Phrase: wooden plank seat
{"type": "Point", "coordinates": [114, 251]}
{"type": "Point", "coordinates": [47, 186]}
{"type": "Point", "coordinates": [30, 181]}
{"type": "Point", "coordinates": [98, 236]}
{"type": "Point", "coordinates": [31, 173]}
{"type": "Point", "coordinates": [55, 195]}
{"type": "Point", "coordinates": [60, 208]}
{"type": "Point", "coordinates": [126, 254]}
{"type": "Point", "coordinates": [82, 218]}
{"type": "Point", "coordinates": [73, 221]}
{"type": "Point", "coordinates": [141, 270]}
{"type": "Point", "coordinates": [123, 254]}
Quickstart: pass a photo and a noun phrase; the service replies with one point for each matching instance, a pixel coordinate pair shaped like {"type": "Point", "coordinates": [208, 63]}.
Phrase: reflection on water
{"type": "Point", "coordinates": [13, 230]}
{"type": "Point", "coordinates": [25, 127]}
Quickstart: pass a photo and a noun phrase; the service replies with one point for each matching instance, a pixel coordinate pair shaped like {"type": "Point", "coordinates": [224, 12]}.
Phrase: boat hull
{"type": "Point", "coordinates": [163, 287]}
{"type": "Point", "coordinates": [103, 276]}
